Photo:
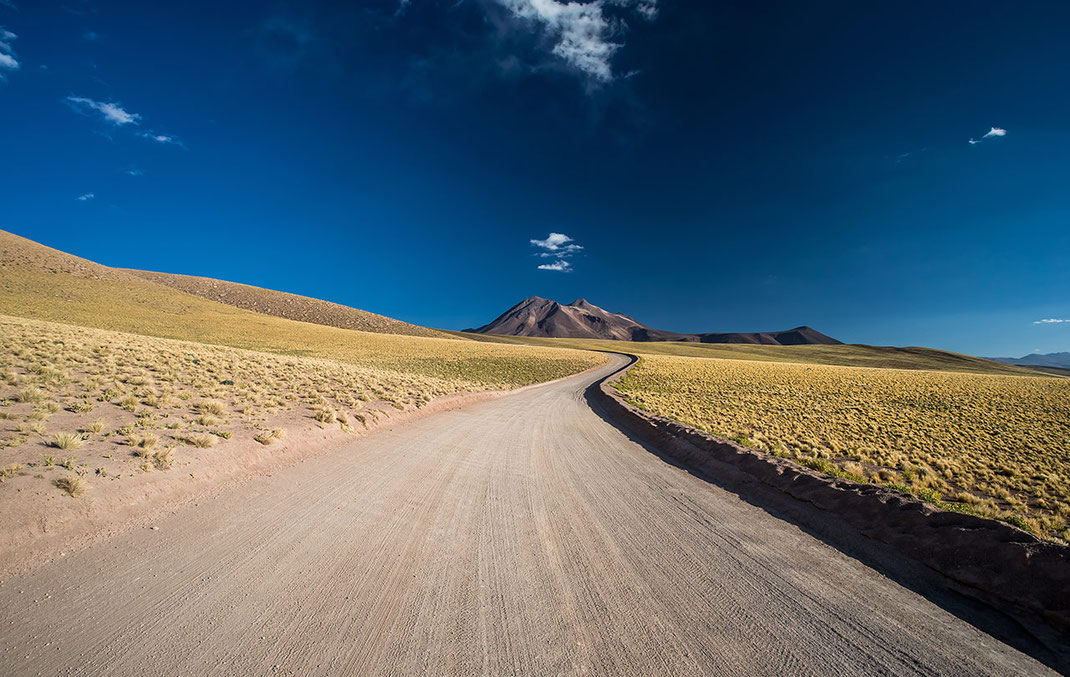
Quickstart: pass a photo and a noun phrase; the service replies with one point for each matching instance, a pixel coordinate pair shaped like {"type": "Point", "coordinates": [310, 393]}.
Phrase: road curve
{"type": "Point", "coordinates": [523, 535]}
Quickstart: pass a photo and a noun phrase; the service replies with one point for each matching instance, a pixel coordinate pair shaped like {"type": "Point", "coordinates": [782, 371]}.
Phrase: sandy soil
{"type": "Point", "coordinates": [520, 535]}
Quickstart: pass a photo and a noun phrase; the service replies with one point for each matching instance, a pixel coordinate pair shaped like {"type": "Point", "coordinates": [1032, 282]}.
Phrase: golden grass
{"type": "Point", "coordinates": [73, 485]}
{"type": "Point", "coordinates": [987, 444]}
{"type": "Point", "coordinates": [67, 441]}
{"type": "Point", "coordinates": [152, 393]}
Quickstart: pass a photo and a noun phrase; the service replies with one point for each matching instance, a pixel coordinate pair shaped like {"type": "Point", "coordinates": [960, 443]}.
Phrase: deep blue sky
{"type": "Point", "coordinates": [729, 166]}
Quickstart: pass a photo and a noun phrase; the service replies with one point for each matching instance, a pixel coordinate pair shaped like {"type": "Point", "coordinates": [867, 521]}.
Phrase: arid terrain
{"type": "Point", "coordinates": [984, 444]}
{"type": "Point", "coordinates": [204, 476]}
{"type": "Point", "coordinates": [519, 536]}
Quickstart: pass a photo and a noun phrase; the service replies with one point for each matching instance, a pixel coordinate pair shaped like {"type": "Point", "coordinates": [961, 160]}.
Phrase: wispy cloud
{"type": "Point", "coordinates": [557, 242]}
{"type": "Point", "coordinates": [112, 112]}
{"type": "Point", "coordinates": [161, 138]}
{"type": "Point", "coordinates": [133, 171]}
{"type": "Point", "coordinates": [559, 247]}
{"type": "Point", "coordinates": [8, 3]}
{"type": "Point", "coordinates": [86, 198]}
{"type": "Point", "coordinates": [582, 32]}
{"type": "Point", "coordinates": [992, 133]}
{"type": "Point", "coordinates": [7, 52]}
{"type": "Point", "coordinates": [560, 266]}
{"type": "Point", "coordinates": [1051, 320]}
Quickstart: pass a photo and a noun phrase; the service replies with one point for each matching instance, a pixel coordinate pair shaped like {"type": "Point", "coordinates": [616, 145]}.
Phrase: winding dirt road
{"type": "Point", "coordinates": [523, 535]}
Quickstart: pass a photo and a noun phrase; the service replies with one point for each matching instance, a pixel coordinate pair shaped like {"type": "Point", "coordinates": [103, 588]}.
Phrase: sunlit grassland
{"type": "Point", "coordinates": [993, 445]}
{"type": "Point", "coordinates": [107, 405]}
{"type": "Point", "coordinates": [125, 303]}
{"type": "Point", "coordinates": [844, 355]}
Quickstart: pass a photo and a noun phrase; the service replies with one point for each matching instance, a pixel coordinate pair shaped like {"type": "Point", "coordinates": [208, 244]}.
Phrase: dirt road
{"type": "Point", "coordinates": [518, 536]}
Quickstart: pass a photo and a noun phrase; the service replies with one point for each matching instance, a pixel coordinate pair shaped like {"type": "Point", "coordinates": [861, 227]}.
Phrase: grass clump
{"type": "Point", "coordinates": [68, 441]}
{"type": "Point", "coordinates": [143, 443]}
{"type": "Point", "coordinates": [29, 395]}
{"type": "Point", "coordinates": [9, 471]}
{"type": "Point", "coordinates": [163, 459]}
{"type": "Point", "coordinates": [201, 441]}
{"type": "Point", "coordinates": [74, 485]}
{"type": "Point", "coordinates": [212, 407]}
{"type": "Point", "coordinates": [270, 436]}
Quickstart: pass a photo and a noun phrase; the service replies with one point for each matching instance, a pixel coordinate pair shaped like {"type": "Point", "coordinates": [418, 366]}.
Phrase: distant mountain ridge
{"type": "Point", "coordinates": [536, 316]}
{"type": "Point", "coordinates": [1061, 360]}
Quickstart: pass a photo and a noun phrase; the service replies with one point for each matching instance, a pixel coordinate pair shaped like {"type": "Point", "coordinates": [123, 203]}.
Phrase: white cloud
{"type": "Point", "coordinates": [582, 31]}
{"type": "Point", "coordinates": [7, 52]}
{"type": "Point", "coordinates": [1051, 320]}
{"type": "Point", "coordinates": [559, 265]}
{"type": "Point", "coordinates": [556, 244]}
{"type": "Point", "coordinates": [86, 198]}
{"type": "Point", "coordinates": [992, 133]}
{"type": "Point", "coordinates": [559, 247]}
{"type": "Point", "coordinates": [161, 138]}
{"type": "Point", "coordinates": [112, 112]}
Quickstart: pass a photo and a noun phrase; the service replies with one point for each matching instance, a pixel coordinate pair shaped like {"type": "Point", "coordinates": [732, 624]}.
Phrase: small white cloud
{"type": "Point", "coordinates": [161, 138]}
{"type": "Point", "coordinates": [7, 52]}
{"type": "Point", "coordinates": [559, 247]}
{"type": "Point", "coordinates": [86, 198]}
{"type": "Point", "coordinates": [1051, 320]}
{"type": "Point", "coordinates": [559, 265]}
{"type": "Point", "coordinates": [112, 112]}
{"type": "Point", "coordinates": [990, 134]}
{"type": "Point", "coordinates": [133, 171]}
{"type": "Point", "coordinates": [582, 31]}
{"type": "Point", "coordinates": [555, 242]}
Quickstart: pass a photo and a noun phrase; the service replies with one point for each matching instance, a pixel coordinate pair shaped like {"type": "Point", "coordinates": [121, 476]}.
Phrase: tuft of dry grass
{"type": "Point", "coordinates": [143, 443]}
{"type": "Point", "coordinates": [9, 471]}
{"type": "Point", "coordinates": [270, 436]}
{"type": "Point", "coordinates": [213, 407]}
{"type": "Point", "coordinates": [74, 485]}
{"type": "Point", "coordinates": [163, 459]}
{"type": "Point", "coordinates": [29, 395]}
{"type": "Point", "coordinates": [67, 441]}
{"type": "Point", "coordinates": [200, 441]}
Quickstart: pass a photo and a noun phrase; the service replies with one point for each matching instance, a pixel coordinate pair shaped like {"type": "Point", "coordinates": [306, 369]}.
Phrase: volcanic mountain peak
{"type": "Point", "coordinates": [536, 316]}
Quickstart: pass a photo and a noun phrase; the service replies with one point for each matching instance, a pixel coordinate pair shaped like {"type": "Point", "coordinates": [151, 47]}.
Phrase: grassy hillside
{"type": "Point", "coordinates": [988, 444]}
{"type": "Point", "coordinates": [843, 355]}
{"type": "Point", "coordinates": [283, 304]}
{"type": "Point", "coordinates": [46, 284]}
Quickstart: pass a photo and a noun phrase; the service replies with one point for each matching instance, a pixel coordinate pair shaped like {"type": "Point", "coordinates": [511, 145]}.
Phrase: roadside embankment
{"type": "Point", "coordinates": [1000, 565]}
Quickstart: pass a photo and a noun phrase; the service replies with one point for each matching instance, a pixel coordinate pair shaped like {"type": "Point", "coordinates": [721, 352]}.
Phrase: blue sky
{"type": "Point", "coordinates": [731, 166]}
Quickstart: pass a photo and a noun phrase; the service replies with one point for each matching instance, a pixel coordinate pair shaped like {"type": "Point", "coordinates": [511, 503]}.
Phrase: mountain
{"type": "Point", "coordinates": [536, 316]}
{"type": "Point", "coordinates": [1061, 360]}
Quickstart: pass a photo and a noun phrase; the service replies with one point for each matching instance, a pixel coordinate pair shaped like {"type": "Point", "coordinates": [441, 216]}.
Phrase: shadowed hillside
{"type": "Point", "coordinates": [284, 304]}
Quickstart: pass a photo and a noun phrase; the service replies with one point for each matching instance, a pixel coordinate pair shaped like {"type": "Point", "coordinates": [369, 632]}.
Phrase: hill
{"type": "Point", "coordinates": [846, 355]}
{"type": "Point", "coordinates": [284, 304]}
{"type": "Point", "coordinates": [42, 283]}
{"type": "Point", "coordinates": [1056, 360]}
{"type": "Point", "coordinates": [539, 317]}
